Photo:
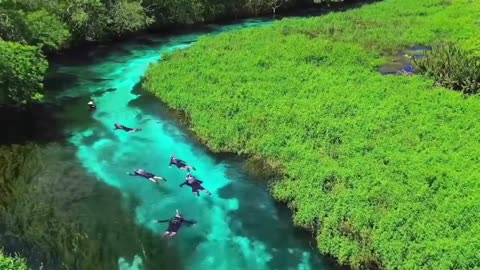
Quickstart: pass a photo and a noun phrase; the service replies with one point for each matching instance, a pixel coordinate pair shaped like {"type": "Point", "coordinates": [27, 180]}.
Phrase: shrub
{"type": "Point", "coordinates": [12, 263]}
{"type": "Point", "coordinates": [452, 67]}
{"type": "Point", "coordinates": [22, 69]}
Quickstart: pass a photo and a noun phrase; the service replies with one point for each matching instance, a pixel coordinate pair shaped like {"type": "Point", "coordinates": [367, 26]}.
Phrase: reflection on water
{"type": "Point", "coordinates": [402, 63]}
{"type": "Point", "coordinates": [55, 214]}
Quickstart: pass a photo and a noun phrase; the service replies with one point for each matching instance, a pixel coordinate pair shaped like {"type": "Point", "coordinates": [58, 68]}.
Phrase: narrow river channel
{"type": "Point", "coordinates": [239, 226]}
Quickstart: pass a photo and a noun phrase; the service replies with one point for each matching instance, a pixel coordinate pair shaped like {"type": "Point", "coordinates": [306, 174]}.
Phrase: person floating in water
{"type": "Point", "coordinates": [127, 129]}
{"type": "Point", "coordinates": [174, 224]}
{"type": "Point", "coordinates": [92, 105]}
{"type": "Point", "coordinates": [150, 176]}
{"type": "Point", "coordinates": [182, 165]}
{"type": "Point", "coordinates": [195, 184]}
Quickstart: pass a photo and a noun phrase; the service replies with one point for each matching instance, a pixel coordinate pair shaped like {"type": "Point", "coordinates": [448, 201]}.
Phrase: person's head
{"type": "Point", "coordinates": [178, 214]}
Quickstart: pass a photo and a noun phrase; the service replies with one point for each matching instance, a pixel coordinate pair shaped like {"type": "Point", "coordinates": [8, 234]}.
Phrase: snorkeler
{"type": "Point", "coordinates": [91, 105]}
{"type": "Point", "coordinates": [195, 184]}
{"type": "Point", "coordinates": [127, 129]}
{"type": "Point", "coordinates": [182, 165]}
{"type": "Point", "coordinates": [174, 224]}
{"type": "Point", "coordinates": [150, 176]}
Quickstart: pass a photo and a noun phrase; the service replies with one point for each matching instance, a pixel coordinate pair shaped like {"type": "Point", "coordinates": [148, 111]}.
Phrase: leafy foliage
{"type": "Point", "coordinates": [12, 263]}
{"type": "Point", "coordinates": [21, 73]}
{"type": "Point", "coordinates": [46, 30]}
{"type": "Point", "coordinates": [128, 17]}
{"type": "Point", "coordinates": [55, 24]}
{"type": "Point", "coordinates": [451, 67]}
{"type": "Point", "coordinates": [382, 168]}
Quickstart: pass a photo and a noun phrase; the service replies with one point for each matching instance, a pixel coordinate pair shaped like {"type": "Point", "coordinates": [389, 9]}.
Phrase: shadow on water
{"type": "Point", "coordinates": [37, 122]}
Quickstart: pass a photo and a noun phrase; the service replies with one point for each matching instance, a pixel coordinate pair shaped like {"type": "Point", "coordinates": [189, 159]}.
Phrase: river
{"type": "Point", "coordinates": [239, 226]}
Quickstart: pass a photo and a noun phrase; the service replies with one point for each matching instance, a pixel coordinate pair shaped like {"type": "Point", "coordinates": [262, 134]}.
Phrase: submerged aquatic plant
{"type": "Point", "coordinates": [451, 67]}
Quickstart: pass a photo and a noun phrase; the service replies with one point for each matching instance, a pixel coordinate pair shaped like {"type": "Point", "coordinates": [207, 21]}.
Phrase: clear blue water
{"type": "Point", "coordinates": [239, 226]}
{"type": "Point", "coordinates": [402, 63]}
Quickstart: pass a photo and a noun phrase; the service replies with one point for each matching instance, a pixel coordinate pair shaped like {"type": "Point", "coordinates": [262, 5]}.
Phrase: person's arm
{"type": "Point", "coordinates": [131, 174]}
{"type": "Point", "coordinates": [199, 181]}
{"type": "Point", "coordinates": [162, 221]}
{"type": "Point", "coordinates": [190, 222]}
{"type": "Point", "coordinates": [183, 184]}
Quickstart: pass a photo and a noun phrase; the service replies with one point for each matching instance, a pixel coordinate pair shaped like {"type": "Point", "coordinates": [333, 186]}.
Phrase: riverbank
{"type": "Point", "coordinates": [81, 181]}
{"type": "Point", "coordinates": [380, 167]}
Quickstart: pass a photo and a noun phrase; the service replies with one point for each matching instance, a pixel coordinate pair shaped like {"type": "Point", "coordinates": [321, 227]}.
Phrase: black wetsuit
{"type": "Point", "coordinates": [144, 174]}
{"type": "Point", "coordinates": [122, 127]}
{"type": "Point", "coordinates": [177, 162]}
{"type": "Point", "coordinates": [175, 223]}
{"type": "Point", "coordinates": [194, 183]}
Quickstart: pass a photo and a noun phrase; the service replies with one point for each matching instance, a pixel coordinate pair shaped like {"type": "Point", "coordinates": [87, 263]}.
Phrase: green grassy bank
{"type": "Point", "coordinates": [383, 168]}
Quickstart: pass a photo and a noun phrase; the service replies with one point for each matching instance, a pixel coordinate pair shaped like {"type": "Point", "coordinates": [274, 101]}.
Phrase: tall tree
{"type": "Point", "coordinates": [128, 16]}
{"type": "Point", "coordinates": [46, 30]}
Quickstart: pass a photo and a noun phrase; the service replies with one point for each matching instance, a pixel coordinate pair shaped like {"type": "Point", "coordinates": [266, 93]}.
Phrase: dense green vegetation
{"type": "Point", "coordinates": [11, 263]}
{"type": "Point", "coordinates": [21, 73]}
{"type": "Point", "coordinates": [451, 67]}
{"type": "Point", "coordinates": [53, 25]}
{"type": "Point", "coordinates": [382, 168]}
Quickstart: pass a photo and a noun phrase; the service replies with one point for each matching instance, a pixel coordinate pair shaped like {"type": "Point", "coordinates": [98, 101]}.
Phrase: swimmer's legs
{"type": "Point", "coordinates": [206, 191]}
{"type": "Point", "coordinates": [153, 179]}
{"type": "Point", "coordinates": [190, 168]}
{"type": "Point", "coordinates": [158, 178]}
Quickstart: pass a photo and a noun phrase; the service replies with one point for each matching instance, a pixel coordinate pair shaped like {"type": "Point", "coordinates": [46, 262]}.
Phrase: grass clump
{"type": "Point", "coordinates": [452, 67]}
{"type": "Point", "coordinates": [12, 263]}
{"type": "Point", "coordinates": [382, 168]}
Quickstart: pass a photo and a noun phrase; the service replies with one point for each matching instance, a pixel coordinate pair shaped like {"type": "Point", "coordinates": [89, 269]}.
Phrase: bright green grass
{"type": "Point", "coordinates": [383, 168]}
{"type": "Point", "coordinates": [11, 263]}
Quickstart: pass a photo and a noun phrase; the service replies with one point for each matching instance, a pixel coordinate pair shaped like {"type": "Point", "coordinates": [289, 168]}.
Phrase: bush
{"type": "Point", "coordinates": [46, 30]}
{"type": "Point", "coordinates": [22, 69]}
{"type": "Point", "coordinates": [12, 263]}
{"type": "Point", "coordinates": [452, 67]}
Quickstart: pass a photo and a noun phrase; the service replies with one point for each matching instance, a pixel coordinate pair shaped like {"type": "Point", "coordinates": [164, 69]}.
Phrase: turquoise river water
{"type": "Point", "coordinates": [239, 226]}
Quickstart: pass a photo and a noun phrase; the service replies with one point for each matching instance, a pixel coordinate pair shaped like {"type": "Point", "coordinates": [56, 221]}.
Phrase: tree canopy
{"type": "Point", "coordinates": [52, 25]}
{"type": "Point", "coordinates": [22, 68]}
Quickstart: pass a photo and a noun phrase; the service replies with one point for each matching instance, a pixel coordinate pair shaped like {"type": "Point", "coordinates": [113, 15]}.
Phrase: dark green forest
{"type": "Point", "coordinates": [31, 29]}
